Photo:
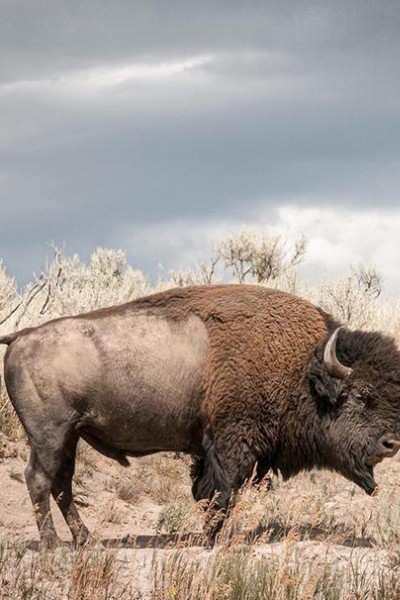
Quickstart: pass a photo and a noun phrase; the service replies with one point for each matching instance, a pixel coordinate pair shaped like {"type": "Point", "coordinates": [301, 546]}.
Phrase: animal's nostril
{"type": "Point", "coordinates": [388, 445]}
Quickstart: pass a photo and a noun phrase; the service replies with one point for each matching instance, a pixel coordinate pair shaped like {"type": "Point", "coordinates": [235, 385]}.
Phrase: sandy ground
{"type": "Point", "coordinates": [129, 528]}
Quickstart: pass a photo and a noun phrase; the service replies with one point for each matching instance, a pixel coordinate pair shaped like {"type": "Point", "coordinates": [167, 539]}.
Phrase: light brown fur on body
{"type": "Point", "coordinates": [232, 374]}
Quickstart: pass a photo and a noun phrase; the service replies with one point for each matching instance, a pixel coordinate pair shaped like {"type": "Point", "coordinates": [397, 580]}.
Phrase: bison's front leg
{"type": "Point", "coordinates": [227, 462]}
{"type": "Point", "coordinates": [207, 486]}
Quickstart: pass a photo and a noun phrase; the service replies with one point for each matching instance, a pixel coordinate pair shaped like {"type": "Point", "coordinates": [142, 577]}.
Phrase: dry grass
{"type": "Point", "coordinates": [237, 574]}
{"type": "Point", "coordinates": [84, 574]}
{"type": "Point", "coordinates": [303, 539]}
{"type": "Point", "coordinates": [315, 536]}
{"type": "Point", "coordinates": [113, 513]}
{"type": "Point", "coordinates": [167, 477]}
{"type": "Point", "coordinates": [126, 489]}
{"type": "Point", "coordinates": [10, 425]}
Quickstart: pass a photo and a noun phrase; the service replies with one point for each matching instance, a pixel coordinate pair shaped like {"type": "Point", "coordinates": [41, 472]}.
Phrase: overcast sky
{"type": "Point", "coordinates": [157, 127]}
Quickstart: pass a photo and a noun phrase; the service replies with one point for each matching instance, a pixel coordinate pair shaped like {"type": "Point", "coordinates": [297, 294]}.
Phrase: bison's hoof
{"type": "Point", "coordinates": [82, 538]}
{"type": "Point", "coordinates": [50, 543]}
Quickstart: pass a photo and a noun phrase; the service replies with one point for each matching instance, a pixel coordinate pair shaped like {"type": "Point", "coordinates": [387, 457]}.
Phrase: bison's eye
{"type": "Point", "coordinates": [366, 396]}
{"type": "Point", "coordinates": [369, 399]}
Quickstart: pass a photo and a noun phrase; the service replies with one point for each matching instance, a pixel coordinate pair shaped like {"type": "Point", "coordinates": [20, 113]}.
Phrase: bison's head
{"type": "Point", "coordinates": [355, 383]}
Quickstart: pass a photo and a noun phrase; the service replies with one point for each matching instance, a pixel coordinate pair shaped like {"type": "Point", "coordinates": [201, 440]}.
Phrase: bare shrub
{"type": "Point", "coordinates": [9, 298]}
{"type": "Point", "coordinates": [369, 280]}
{"type": "Point", "coordinates": [348, 302]}
{"type": "Point", "coordinates": [69, 286]}
{"type": "Point", "coordinates": [185, 278]}
{"type": "Point", "coordinates": [262, 257]}
{"type": "Point", "coordinates": [204, 274]}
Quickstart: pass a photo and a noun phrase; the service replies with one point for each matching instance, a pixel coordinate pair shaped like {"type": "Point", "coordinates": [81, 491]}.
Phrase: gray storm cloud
{"type": "Point", "coordinates": [121, 118]}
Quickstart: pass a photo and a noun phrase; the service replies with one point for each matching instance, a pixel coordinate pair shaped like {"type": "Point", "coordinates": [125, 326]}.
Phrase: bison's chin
{"type": "Point", "coordinates": [364, 477]}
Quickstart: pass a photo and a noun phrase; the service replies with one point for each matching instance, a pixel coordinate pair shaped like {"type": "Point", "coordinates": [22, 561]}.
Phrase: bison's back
{"type": "Point", "coordinates": [263, 334]}
{"type": "Point", "coordinates": [262, 324]}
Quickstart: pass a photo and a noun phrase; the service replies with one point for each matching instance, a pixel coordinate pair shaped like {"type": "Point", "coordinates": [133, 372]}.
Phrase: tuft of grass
{"type": "Point", "coordinates": [113, 514]}
{"type": "Point", "coordinates": [17, 475]}
{"type": "Point", "coordinates": [171, 518]}
{"type": "Point", "coordinates": [93, 574]}
{"type": "Point", "coordinates": [126, 490]}
{"type": "Point", "coordinates": [10, 425]}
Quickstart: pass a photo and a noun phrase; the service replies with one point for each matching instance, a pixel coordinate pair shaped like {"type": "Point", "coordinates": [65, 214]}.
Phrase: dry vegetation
{"type": "Point", "coordinates": [315, 536]}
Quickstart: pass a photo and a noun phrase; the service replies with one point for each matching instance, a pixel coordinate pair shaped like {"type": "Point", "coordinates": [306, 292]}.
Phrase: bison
{"type": "Point", "coordinates": [238, 376]}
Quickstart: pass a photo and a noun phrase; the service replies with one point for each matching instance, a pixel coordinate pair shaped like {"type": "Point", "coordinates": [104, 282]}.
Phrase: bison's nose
{"type": "Point", "coordinates": [388, 445]}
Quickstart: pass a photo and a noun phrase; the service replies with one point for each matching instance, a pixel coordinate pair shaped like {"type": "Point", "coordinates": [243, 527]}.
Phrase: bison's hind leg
{"type": "Point", "coordinates": [50, 423]}
{"type": "Point", "coordinates": [38, 479]}
{"type": "Point", "coordinates": [62, 490]}
{"type": "Point", "coordinates": [50, 470]}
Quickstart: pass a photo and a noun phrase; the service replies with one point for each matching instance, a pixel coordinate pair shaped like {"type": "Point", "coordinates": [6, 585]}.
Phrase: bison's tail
{"type": "Point", "coordinates": [8, 339]}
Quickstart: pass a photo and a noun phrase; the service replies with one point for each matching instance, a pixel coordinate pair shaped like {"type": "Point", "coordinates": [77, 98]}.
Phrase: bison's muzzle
{"type": "Point", "coordinates": [386, 446]}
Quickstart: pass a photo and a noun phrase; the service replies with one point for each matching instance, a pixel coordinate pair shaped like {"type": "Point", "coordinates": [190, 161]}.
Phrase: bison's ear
{"type": "Point", "coordinates": [326, 373]}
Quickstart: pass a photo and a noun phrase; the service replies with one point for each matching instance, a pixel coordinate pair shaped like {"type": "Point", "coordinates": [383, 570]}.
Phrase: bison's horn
{"type": "Point", "coordinates": [332, 363]}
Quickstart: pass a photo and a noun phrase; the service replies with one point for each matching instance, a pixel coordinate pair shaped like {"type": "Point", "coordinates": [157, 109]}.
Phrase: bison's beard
{"type": "Point", "coordinates": [351, 460]}
{"type": "Point", "coordinates": [363, 476]}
